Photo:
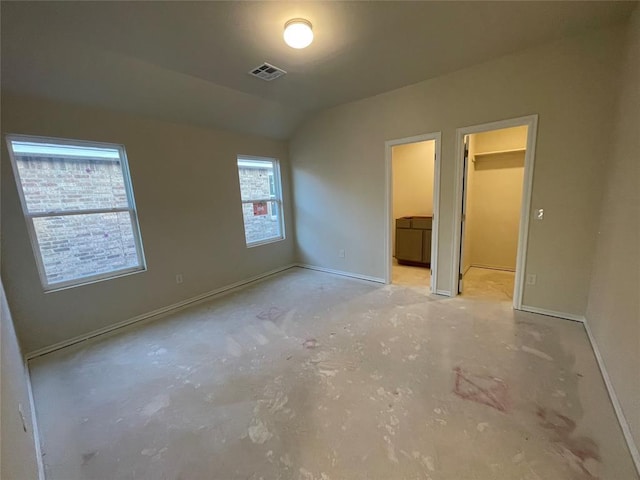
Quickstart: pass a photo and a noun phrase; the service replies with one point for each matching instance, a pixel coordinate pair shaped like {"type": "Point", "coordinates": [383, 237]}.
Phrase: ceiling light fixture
{"type": "Point", "coordinates": [298, 33]}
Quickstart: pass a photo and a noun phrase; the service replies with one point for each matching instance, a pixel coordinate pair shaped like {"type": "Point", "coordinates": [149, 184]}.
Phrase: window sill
{"type": "Point", "coordinates": [126, 273]}
{"type": "Point", "coordinates": [265, 242]}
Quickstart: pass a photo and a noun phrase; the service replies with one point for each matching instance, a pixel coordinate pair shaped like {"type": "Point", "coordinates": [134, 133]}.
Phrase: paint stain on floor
{"type": "Point", "coordinates": [312, 376]}
{"type": "Point", "coordinates": [484, 389]}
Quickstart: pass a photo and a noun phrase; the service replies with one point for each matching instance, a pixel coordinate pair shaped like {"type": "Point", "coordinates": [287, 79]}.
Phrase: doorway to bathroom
{"type": "Point", "coordinates": [412, 173]}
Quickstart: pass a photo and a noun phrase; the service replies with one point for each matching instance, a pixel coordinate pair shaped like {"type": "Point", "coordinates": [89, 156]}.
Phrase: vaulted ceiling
{"type": "Point", "coordinates": [188, 61]}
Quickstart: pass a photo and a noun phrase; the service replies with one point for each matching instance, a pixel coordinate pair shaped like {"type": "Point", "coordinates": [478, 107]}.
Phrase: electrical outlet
{"type": "Point", "coordinates": [341, 253]}
{"type": "Point", "coordinates": [531, 279]}
{"type": "Point", "coordinates": [179, 278]}
{"type": "Point", "coordinates": [540, 214]}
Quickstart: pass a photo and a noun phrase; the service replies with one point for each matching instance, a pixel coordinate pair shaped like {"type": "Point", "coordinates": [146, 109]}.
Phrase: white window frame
{"type": "Point", "coordinates": [277, 198]}
{"type": "Point", "coordinates": [29, 217]}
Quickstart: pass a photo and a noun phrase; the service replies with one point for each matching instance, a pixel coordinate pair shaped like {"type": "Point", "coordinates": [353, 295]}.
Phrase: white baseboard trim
{"type": "Point", "coordinates": [155, 313]}
{"type": "Point", "coordinates": [342, 273]}
{"type": "Point", "coordinates": [34, 424]}
{"type": "Point", "coordinates": [553, 313]}
{"type": "Point", "coordinates": [626, 430]}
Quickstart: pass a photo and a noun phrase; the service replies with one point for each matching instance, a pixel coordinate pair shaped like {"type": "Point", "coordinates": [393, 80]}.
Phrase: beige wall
{"type": "Point", "coordinates": [18, 459]}
{"type": "Point", "coordinates": [186, 188]}
{"type": "Point", "coordinates": [412, 167]}
{"type": "Point", "coordinates": [613, 313]}
{"type": "Point", "coordinates": [338, 161]}
{"type": "Point", "coordinates": [503, 139]}
{"type": "Point", "coordinates": [494, 198]}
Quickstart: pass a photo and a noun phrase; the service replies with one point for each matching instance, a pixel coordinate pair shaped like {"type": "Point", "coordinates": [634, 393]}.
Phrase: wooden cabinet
{"type": "Point", "coordinates": [413, 240]}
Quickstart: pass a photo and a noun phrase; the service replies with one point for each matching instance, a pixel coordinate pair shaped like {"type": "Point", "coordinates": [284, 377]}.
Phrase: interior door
{"type": "Point", "coordinates": [465, 165]}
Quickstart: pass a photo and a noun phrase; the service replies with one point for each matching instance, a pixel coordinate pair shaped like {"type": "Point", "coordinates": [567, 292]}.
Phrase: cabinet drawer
{"type": "Point", "coordinates": [423, 223]}
{"type": "Point", "coordinates": [404, 222]}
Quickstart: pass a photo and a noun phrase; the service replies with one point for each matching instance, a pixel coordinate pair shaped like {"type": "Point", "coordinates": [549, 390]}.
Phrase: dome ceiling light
{"type": "Point", "coordinates": [298, 33]}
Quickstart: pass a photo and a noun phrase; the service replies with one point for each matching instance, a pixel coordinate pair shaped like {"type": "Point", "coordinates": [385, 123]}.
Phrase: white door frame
{"type": "Point", "coordinates": [530, 121]}
{"type": "Point", "coordinates": [388, 245]}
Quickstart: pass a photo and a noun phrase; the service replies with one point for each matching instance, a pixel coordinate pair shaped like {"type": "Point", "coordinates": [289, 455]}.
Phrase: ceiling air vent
{"type": "Point", "coordinates": [267, 72]}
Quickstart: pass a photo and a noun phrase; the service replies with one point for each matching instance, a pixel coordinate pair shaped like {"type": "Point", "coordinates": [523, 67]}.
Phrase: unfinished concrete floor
{"type": "Point", "coordinates": [488, 284]}
{"type": "Point", "coordinates": [308, 375]}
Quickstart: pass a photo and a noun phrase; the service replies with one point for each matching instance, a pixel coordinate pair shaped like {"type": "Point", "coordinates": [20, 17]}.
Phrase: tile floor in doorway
{"type": "Point", "coordinates": [480, 283]}
{"type": "Point", "coordinates": [308, 375]}
{"type": "Point", "coordinates": [410, 276]}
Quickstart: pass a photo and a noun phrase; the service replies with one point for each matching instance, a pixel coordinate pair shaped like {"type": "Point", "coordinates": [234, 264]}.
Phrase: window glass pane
{"type": "Point", "coordinates": [259, 223]}
{"type": "Point", "coordinates": [272, 185]}
{"type": "Point", "coordinates": [261, 200]}
{"type": "Point", "coordinates": [53, 179]}
{"type": "Point", "coordinates": [76, 246]}
{"type": "Point", "coordinates": [254, 179]}
{"type": "Point", "coordinates": [273, 209]}
{"type": "Point", "coordinates": [57, 175]}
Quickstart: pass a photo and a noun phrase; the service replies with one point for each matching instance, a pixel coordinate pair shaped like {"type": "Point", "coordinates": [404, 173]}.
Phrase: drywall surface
{"type": "Point", "coordinates": [185, 182]}
{"type": "Point", "coordinates": [613, 313]}
{"type": "Point", "coordinates": [495, 207]}
{"type": "Point", "coordinates": [503, 139]}
{"type": "Point", "coordinates": [19, 458]}
{"type": "Point", "coordinates": [412, 167]}
{"type": "Point", "coordinates": [494, 197]}
{"type": "Point", "coordinates": [338, 161]}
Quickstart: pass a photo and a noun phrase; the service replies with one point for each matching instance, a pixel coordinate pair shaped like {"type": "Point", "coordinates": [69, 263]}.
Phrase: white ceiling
{"type": "Point", "coordinates": [188, 61]}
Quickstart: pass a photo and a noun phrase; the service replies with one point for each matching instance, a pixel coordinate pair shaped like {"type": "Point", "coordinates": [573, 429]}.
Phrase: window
{"type": "Point", "coordinates": [261, 194]}
{"type": "Point", "coordinates": [79, 209]}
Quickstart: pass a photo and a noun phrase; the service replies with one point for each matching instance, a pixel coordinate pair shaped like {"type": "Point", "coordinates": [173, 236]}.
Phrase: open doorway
{"type": "Point", "coordinates": [412, 167]}
{"type": "Point", "coordinates": [494, 209]}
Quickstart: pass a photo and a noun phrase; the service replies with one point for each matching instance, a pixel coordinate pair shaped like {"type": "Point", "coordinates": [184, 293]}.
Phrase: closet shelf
{"type": "Point", "coordinates": [497, 152]}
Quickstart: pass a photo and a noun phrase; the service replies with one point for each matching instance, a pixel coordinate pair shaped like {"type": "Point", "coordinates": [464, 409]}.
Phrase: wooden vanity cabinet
{"type": "Point", "coordinates": [413, 241]}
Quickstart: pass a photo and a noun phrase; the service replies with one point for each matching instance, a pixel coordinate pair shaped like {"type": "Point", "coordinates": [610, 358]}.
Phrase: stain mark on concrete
{"type": "Point", "coordinates": [258, 432]}
{"type": "Point", "coordinates": [233, 347]}
{"type": "Point", "coordinates": [258, 337]}
{"type": "Point", "coordinates": [86, 457]}
{"type": "Point", "coordinates": [535, 334]}
{"type": "Point", "coordinates": [537, 353]}
{"type": "Point", "coordinates": [286, 460]}
{"type": "Point", "coordinates": [157, 351]}
{"type": "Point", "coordinates": [272, 315]}
{"type": "Point", "coordinates": [310, 343]}
{"type": "Point", "coordinates": [391, 451]}
{"type": "Point", "coordinates": [483, 389]}
{"type": "Point", "coordinates": [157, 404]}
{"type": "Point", "coordinates": [579, 451]}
